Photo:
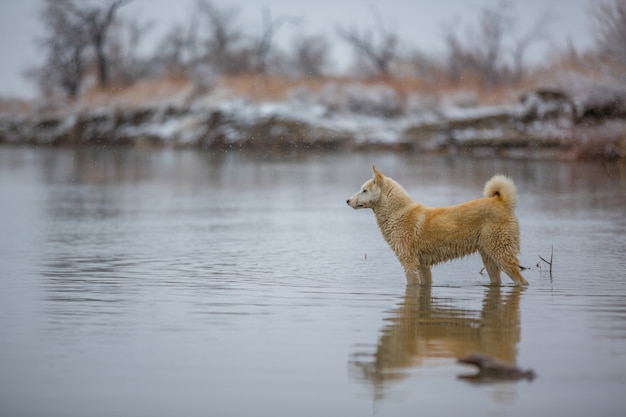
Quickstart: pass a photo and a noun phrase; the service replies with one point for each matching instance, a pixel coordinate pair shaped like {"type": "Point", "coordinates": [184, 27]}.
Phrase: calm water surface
{"type": "Point", "coordinates": [162, 283]}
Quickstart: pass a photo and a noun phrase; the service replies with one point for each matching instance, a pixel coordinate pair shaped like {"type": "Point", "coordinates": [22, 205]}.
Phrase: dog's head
{"type": "Point", "coordinates": [370, 192]}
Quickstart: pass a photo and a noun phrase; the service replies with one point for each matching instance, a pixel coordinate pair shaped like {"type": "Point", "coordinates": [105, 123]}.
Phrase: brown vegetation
{"type": "Point", "coordinates": [271, 87]}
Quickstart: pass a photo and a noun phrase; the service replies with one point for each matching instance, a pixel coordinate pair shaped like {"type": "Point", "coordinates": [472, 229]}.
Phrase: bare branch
{"type": "Point", "coordinates": [380, 54]}
{"type": "Point", "coordinates": [64, 44]}
{"type": "Point", "coordinates": [126, 65]}
{"type": "Point", "coordinates": [493, 25]}
{"type": "Point", "coordinates": [222, 38]}
{"type": "Point", "coordinates": [610, 29]}
{"type": "Point", "coordinates": [492, 54]}
{"type": "Point", "coordinates": [270, 28]}
{"type": "Point", "coordinates": [536, 33]}
{"type": "Point", "coordinates": [310, 55]}
{"type": "Point", "coordinates": [97, 21]}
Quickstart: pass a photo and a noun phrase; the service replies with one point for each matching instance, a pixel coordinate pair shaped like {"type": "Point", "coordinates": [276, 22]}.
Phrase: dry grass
{"type": "Point", "coordinates": [14, 106]}
{"type": "Point", "coordinates": [274, 88]}
{"type": "Point", "coordinates": [136, 95]}
{"type": "Point", "coordinates": [269, 87]}
{"type": "Point", "coordinates": [258, 87]}
{"type": "Point", "coordinates": [254, 87]}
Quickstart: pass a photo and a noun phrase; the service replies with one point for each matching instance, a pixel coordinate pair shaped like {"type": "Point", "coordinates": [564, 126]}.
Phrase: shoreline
{"type": "Point", "coordinates": [537, 127]}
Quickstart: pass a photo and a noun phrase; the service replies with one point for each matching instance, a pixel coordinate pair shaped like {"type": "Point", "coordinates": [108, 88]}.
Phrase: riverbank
{"type": "Point", "coordinates": [549, 122]}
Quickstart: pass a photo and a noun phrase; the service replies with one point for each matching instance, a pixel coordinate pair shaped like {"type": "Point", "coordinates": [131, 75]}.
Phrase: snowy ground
{"type": "Point", "coordinates": [589, 119]}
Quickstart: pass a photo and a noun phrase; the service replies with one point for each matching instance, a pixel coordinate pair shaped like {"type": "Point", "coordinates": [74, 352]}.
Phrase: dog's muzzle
{"type": "Point", "coordinates": [352, 203]}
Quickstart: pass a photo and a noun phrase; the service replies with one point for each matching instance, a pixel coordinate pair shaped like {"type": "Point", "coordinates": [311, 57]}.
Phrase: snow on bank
{"type": "Point", "coordinates": [340, 116]}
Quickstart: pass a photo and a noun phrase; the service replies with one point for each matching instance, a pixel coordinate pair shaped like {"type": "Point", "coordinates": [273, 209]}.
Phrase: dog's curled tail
{"type": "Point", "coordinates": [502, 187]}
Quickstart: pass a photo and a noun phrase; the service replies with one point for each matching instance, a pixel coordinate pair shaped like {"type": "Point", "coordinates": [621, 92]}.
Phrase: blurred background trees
{"type": "Point", "coordinates": [490, 51]}
{"type": "Point", "coordinates": [64, 50]}
{"type": "Point", "coordinates": [609, 18]}
{"type": "Point", "coordinates": [96, 21]}
{"type": "Point", "coordinates": [91, 43]}
{"type": "Point", "coordinates": [378, 47]}
{"type": "Point", "coordinates": [70, 28]}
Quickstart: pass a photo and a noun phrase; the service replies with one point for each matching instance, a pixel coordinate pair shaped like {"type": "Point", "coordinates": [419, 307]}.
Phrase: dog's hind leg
{"type": "Point", "coordinates": [492, 268]}
{"type": "Point", "coordinates": [511, 268]}
{"type": "Point", "coordinates": [510, 265]}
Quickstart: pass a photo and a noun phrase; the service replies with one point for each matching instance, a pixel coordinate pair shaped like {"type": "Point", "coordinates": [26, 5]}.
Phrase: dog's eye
{"type": "Point", "coordinates": [364, 191]}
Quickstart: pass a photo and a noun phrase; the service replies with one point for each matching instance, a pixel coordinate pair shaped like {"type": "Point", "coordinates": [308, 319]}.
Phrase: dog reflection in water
{"type": "Point", "coordinates": [425, 328]}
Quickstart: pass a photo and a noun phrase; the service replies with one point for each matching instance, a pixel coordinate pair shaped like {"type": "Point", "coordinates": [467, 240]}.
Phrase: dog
{"type": "Point", "coordinates": [423, 236]}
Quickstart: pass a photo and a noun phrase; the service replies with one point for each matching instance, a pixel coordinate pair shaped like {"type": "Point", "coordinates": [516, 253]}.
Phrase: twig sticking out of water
{"type": "Point", "coordinates": [549, 262]}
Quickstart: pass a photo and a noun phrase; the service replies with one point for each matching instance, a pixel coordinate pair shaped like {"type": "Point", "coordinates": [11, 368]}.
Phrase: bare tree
{"type": "Point", "coordinates": [494, 23]}
{"type": "Point", "coordinates": [310, 55]}
{"type": "Point", "coordinates": [64, 43]}
{"type": "Point", "coordinates": [491, 52]}
{"type": "Point", "coordinates": [535, 34]}
{"type": "Point", "coordinates": [223, 36]}
{"type": "Point", "coordinates": [172, 52]}
{"type": "Point", "coordinates": [379, 53]}
{"type": "Point", "coordinates": [460, 58]}
{"type": "Point", "coordinates": [126, 65]}
{"type": "Point", "coordinates": [65, 63]}
{"type": "Point", "coordinates": [610, 29]}
{"type": "Point", "coordinates": [97, 21]}
{"type": "Point", "coordinates": [180, 50]}
{"type": "Point", "coordinates": [70, 28]}
{"type": "Point", "coordinates": [264, 43]}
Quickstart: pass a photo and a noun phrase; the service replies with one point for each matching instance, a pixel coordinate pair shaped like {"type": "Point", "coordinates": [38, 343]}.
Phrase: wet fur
{"type": "Point", "coordinates": [423, 236]}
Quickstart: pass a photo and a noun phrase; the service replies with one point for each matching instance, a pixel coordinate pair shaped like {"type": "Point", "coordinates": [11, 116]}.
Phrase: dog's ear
{"type": "Point", "coordinates": [378, 176]}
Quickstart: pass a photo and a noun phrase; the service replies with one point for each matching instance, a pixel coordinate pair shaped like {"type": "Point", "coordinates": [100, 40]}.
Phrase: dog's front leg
{"type": "Point", "coordinates": [418, 274]}
{"type": "Point", "coordinates": [412, 276]}
{"type": "Point", "coordinates": [425, 275]}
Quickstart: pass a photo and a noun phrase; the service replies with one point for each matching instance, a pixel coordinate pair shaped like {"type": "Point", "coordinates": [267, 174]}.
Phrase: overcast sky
{"type": "Point", "coordinates": [418, 23]}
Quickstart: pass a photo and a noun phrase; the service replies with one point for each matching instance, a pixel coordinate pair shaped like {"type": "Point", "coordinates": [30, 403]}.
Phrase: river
{"type": "Point", "coordinates": [178, 282]}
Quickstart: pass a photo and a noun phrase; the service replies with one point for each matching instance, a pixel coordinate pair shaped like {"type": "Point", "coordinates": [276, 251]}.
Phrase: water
{"type": "Point", "coordinates": [160, 283]}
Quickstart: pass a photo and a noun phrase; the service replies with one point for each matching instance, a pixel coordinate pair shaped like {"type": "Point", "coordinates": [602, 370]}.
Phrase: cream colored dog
{"type": "Point", "coordinates": [424, 236]}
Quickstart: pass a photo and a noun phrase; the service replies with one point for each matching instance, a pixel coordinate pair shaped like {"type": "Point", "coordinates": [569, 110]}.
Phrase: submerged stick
{"type": "Point", "coordinates": [490, 368]}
